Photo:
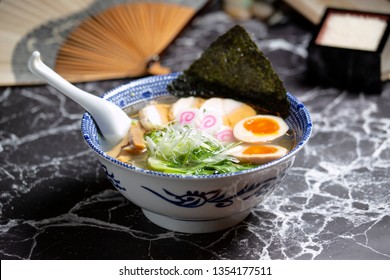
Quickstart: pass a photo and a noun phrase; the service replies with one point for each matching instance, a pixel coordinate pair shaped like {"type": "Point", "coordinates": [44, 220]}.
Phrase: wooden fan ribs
{"type": "Point", "coordinates": [120, 41]}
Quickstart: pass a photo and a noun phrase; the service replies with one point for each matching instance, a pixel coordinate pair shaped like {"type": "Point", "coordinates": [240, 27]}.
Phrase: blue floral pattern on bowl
{"type": "Point", "coordinates": [111, 177]}
{"type": "Point", "coordinates": [219, 197]}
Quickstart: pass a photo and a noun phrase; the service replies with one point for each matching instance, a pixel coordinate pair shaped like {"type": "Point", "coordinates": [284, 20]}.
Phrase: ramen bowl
{"type": "Point", "coordinates": [191, 203]}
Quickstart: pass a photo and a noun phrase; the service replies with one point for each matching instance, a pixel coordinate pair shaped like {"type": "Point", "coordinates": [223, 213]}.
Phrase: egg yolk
{"type": "Point", "coordinates": [259, 150]}
{"type": "Point", "coordinates": [262, 126]}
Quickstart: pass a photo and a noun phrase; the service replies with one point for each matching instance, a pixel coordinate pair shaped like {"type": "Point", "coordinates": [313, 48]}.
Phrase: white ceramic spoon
{"type": "Point", "coordinates": [112, 121]}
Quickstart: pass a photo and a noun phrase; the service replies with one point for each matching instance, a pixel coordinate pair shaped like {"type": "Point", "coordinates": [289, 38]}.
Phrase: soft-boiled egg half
{"type": "Point", "coordinates": [260, 129]}
{"type": "Point", "coordinates": [258, 154]}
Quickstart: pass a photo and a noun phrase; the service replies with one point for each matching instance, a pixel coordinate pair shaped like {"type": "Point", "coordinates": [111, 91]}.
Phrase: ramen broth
{"type": "Point", "coordinates": [287, 140]}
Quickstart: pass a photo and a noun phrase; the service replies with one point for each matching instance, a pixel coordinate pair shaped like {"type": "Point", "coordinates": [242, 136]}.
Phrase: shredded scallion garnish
{"type": "Point", "coordinates": [186, 150]}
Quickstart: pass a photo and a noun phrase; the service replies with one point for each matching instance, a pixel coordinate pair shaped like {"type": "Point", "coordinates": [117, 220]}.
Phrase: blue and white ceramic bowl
{"type": "Point", "coordinates": [192, 204]}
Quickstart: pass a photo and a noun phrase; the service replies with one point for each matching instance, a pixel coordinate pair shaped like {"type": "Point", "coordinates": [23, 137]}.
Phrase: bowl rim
{"type": "Point", "coordinates": [117, 90]}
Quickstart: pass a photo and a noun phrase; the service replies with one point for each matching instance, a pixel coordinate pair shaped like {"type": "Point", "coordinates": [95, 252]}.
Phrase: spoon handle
{"type": "Point", "coordinates": [112, 120]}
{"type": "Point", "coordinates": [40, 69]}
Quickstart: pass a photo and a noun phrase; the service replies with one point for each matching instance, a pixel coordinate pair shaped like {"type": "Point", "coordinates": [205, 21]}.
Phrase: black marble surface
{"type": "Point", "coordinates": [55, 202]}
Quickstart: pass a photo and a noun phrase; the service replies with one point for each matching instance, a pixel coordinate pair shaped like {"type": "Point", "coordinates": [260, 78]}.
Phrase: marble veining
{"type": "Point", "coordinates": [55, 202]}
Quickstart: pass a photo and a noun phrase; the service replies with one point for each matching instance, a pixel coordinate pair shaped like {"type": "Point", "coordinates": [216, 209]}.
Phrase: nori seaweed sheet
{"type": "Point", "coordinates": [234, 67]}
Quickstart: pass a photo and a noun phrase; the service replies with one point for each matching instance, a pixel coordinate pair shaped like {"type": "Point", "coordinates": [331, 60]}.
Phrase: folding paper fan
{"type": "Point", "coordinates": [86, 40]}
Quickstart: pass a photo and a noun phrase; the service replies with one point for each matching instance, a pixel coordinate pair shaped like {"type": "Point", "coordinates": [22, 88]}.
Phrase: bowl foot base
{"type": "Point", "coordinates": [195, 226]}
